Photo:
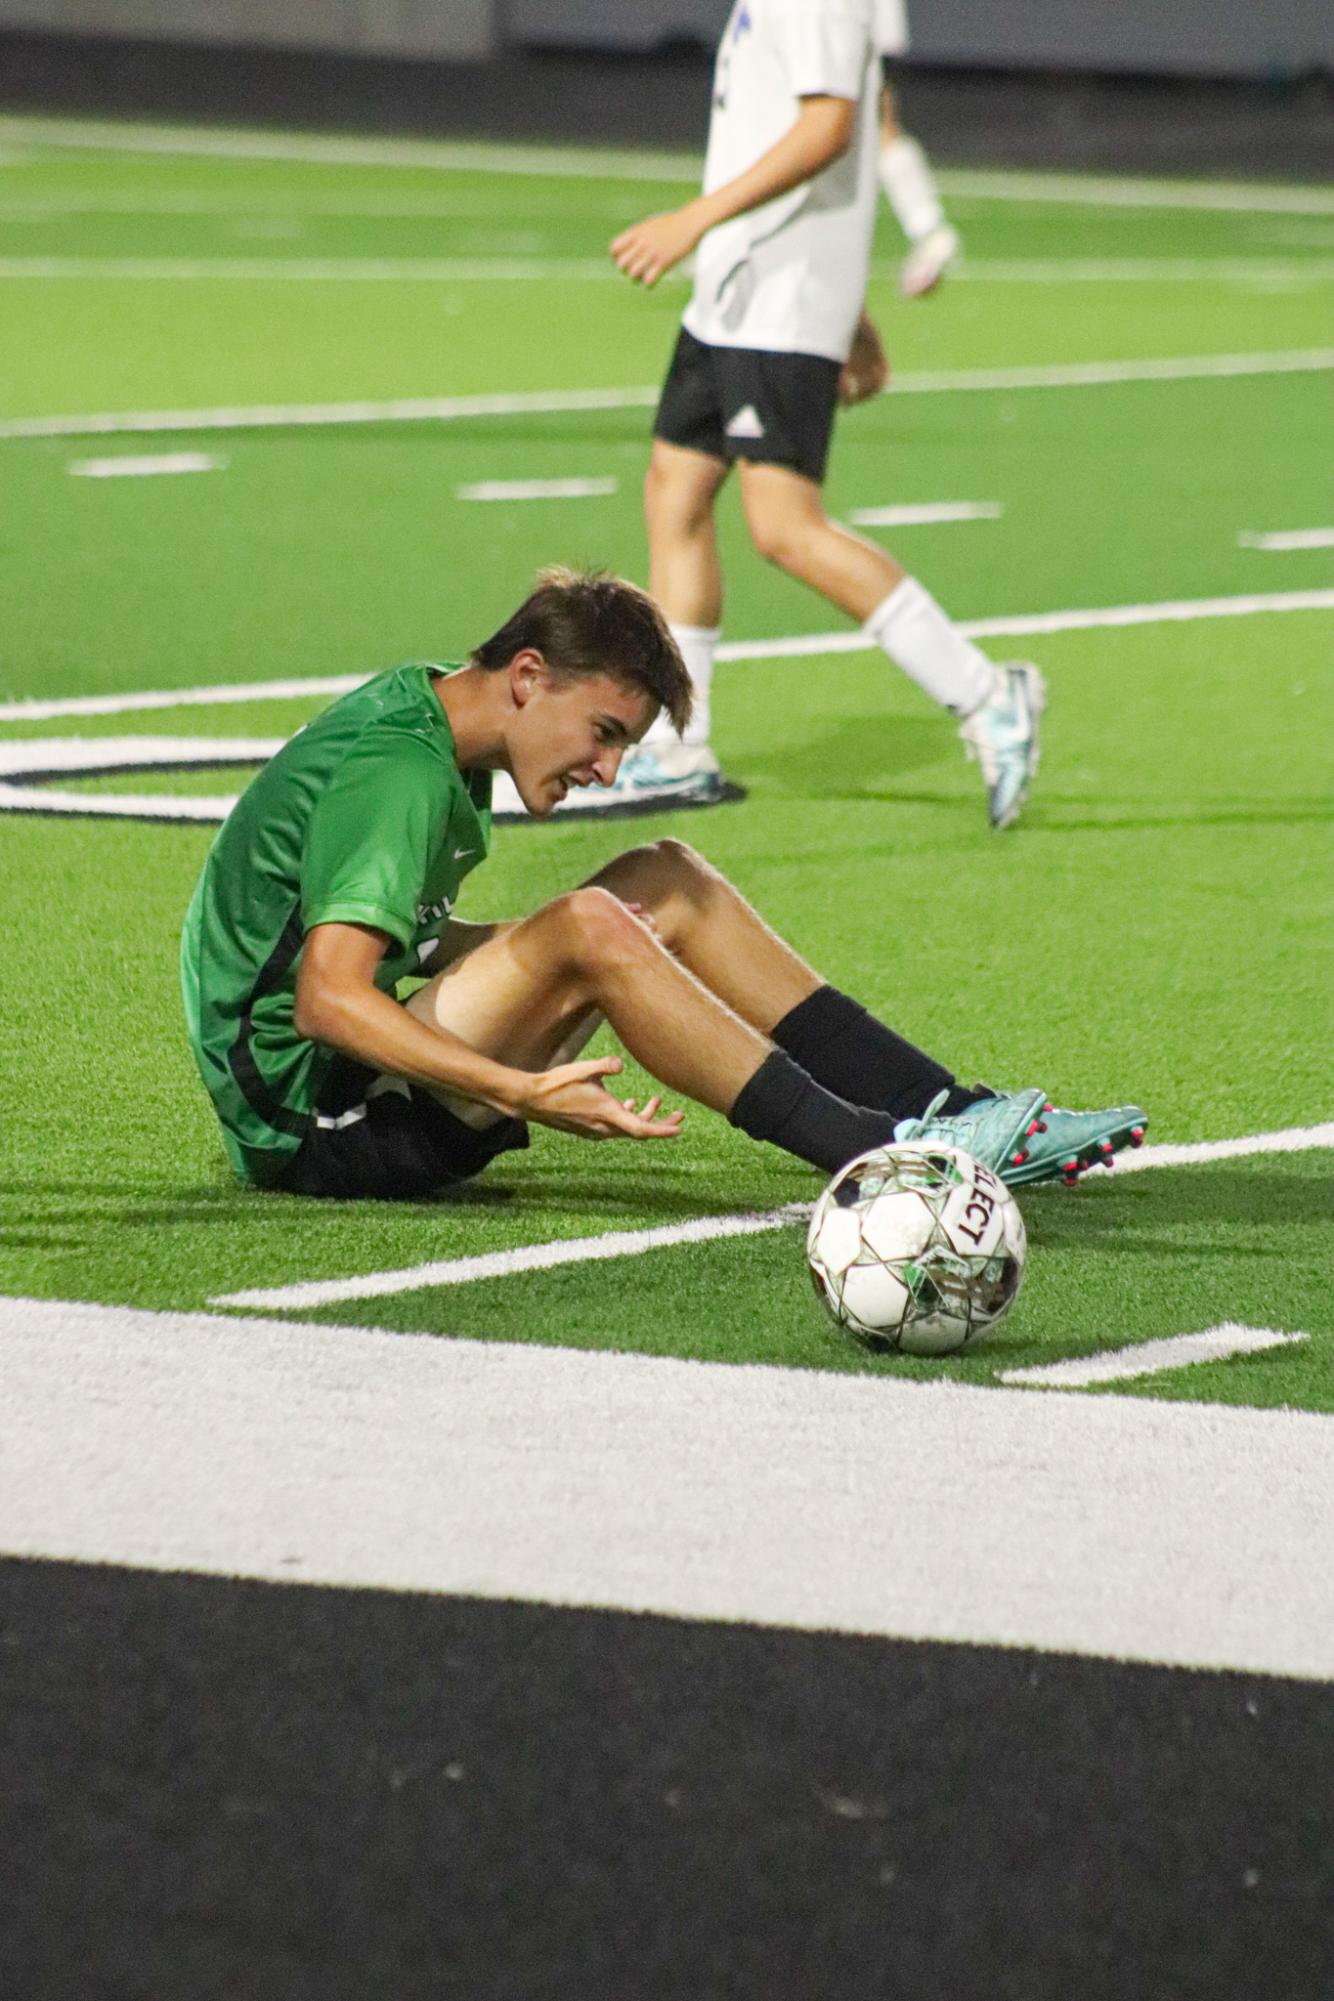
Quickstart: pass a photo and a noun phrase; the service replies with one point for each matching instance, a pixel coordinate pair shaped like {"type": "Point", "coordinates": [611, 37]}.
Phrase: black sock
{"type": "Point", "coordinates": [850, 1052]}
{"type": "Point", "coordinates": [782, 1104]}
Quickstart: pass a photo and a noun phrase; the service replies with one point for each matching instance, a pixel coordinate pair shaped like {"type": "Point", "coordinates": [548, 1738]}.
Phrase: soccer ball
{"type": "Point", "coordinates": [918, 1248]}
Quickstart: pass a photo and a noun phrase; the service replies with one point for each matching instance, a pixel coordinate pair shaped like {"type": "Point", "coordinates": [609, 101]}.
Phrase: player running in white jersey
{"type": "Point", "coordinates": [905, 172]}
{"type": "Point", "coordinates": [775, 335]}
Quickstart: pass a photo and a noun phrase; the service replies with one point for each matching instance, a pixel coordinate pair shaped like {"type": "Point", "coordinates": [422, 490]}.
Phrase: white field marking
{"type": "Point", "coordinates": [1016, 625]}
{"type": "Point", "coordinates": [145, 467]}
{"type": "Point", "coordinates": [923, 513]}
{"type": "Point", "coordinates": [1104, 191]}
{"type": "Point", "coordinates": [557, 402]}
{"type": "Point", "coordinates": [578, 163]}
{"type": "Point", "coordinates": [307, 1295]}
{"type": "Point", "coordinates": [178, 698]}
{"type": "Point", "coordinates": [344, 1456]}
{"type": "Point", "coordinates": [1028, 624]}
{"type": "Point", "coordinates": [306, 205]}
{"type": "Point", "coordinates": [22, 758]}
{"type": "Point", "coordinates": [1144, 270]}
{"type": "Point", "coordinates": [1151, 1358]}
{"type": "Point", "coordinates": [1295, 538]}
{"type": "Point", "coordinates": [322, 270]}
{"type": "Point", "coordinates": [599, 270]}
{"type": "Point", "coordinates": [599, 163]}
{"type": "Point", "coordinates": [536, 489]}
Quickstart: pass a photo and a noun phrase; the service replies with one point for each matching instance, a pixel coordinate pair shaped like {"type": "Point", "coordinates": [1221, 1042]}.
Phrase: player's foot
{"type": "Point", "coordinates": [994, 1130]}
{"type": "Point", "coordinates": [667, 774]}
{"type": "Point", "coordinates": [1003, 736]}
{"type": "Point", "coordinates": [1022, 1137]}
{"type": "Point", "coordinates": [928, 261]}
{"type": "Point", "coordinates": [1069, 1143]}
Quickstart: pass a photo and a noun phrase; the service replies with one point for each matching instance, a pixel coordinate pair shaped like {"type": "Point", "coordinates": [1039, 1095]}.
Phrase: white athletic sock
{"type": "Point", "coordinates": [698, 644]}
{"type": "Point", "coordinates": [909, 184]}
{"type": "Point", "coordinates": [924, 641]}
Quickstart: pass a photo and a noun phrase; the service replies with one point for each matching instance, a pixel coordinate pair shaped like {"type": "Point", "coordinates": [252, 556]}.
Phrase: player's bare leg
{"type": "Point", "coordinates": [685, 575]}
{"type": "Point", "coordinates": [531, 995]}
{"type": "Point", "coordinates": [706, 923]}
{"type": "Point", "coordinates": [785, 513]}
{"type": "Point", "coordinates": [686, 578]}
{"type": "Point", "coordinates": [1000, 708]}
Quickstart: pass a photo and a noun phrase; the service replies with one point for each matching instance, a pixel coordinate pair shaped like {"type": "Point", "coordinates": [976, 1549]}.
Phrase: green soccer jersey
{"type": "Point", "coordinates": [363, 818]}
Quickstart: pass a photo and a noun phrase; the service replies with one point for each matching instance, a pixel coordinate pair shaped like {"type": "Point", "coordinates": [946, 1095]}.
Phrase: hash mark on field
{"type": "Point", "coordinates": [536, 489]}
{"type": "Point", "coordinates": [916, 514]}
{"type": "Point", "coordinates": [1151, 1358]}
{"type": "Point", "coordinates": [145, 467]}
{"type": "Point", "coordinates": [307, 1295]}
{"type": "Point", "coordinates": [1295, 538]}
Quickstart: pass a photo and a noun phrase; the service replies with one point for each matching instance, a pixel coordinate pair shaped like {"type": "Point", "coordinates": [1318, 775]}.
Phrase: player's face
{"type": "Point", "coordinates": [573, 732]}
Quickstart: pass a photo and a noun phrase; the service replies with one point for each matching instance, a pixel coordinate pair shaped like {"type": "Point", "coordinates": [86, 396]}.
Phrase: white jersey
{"type": "Point", "coordinates": [790, 276]}
{"type": "Point", "coordinates": [891, 27]}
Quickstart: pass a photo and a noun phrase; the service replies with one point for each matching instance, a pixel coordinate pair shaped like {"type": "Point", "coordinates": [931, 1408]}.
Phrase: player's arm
{"type": "Point", "coordinates": [821, 133]}
{"type": "Point", "coordinates": [339, 1005]}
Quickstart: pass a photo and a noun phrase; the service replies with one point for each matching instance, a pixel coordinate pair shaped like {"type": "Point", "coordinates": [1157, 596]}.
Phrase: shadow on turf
{"type": "Point", "coordinates": [1106, 1207]}
{"type": "Point", "coordinates": [1093, 816]}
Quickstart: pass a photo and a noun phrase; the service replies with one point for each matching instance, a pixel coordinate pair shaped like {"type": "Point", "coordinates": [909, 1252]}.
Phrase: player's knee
{"type": "Point", "coordinates": [776, 536]}
{"type": "Point", "coordinates": [595, 924]}
{"type": "Point", "coordinates": [676, 499]}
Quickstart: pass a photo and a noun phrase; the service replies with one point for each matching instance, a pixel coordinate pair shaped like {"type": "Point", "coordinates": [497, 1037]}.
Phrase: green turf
{"type": "Point", "coordinates": [1158, 926]}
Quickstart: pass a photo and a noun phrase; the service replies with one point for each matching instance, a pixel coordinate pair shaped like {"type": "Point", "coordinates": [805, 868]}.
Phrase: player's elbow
{"type": "Point", "coordinates": [316, 1008]}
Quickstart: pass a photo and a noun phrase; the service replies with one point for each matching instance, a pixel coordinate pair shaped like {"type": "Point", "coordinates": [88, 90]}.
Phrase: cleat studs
{"type": "Point", "coordinates": [1034, 1128]}
{"type": "Point", "coordinates": [1137, 1135]}
{"type": "Point", "coordinates": [1018, 1159]}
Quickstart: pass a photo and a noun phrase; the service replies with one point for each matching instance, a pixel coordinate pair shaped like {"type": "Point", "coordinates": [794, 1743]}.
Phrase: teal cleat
{"type": "Point", "coordinates": [995, 1130]}
{"type": "Point", "coordinates": [1003, 736]}
{"type": "Point", "coordinates": [1069, 1143]}
{"type": "Point", "coordinates": [1024, 1139]}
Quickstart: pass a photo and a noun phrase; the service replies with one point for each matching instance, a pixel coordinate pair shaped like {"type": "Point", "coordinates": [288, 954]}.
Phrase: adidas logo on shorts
{"type": "Point", "coordinates": [746, 423]}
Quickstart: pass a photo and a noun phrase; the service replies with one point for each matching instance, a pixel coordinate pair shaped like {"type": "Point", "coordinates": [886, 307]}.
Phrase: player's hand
{"type": "Point", "coordinates": [866, 371]}
{"type": "Point", "coordinates": [650, 248]}
{"type": "Point", "coordinates": [574, 1099]}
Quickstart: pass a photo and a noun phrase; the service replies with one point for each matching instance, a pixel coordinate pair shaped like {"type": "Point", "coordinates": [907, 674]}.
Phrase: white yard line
{"type": "Point", "coordinates": [600, 270]}
{"type": "Point", "coordinates": [1151, 1358]}
{"type": "Point", "coordinates": [1014, 625]}
{"type": "Point", "coordinates": [828, 1502]}
{"type": "Point", "coordinates": [597, 163]}
{"type": "Point", "coordinates": [1295, 538]}
{"type": "Point", "coordinates": [537, 489]}
{"type": "Point", "coordinates": [925, 513]}
{"type": "Point", "coordinates": [145, 467]}
{"type": "Point", "coordinates": [558, 402]}
{"type": "Point", "coordinates": [309, 1295]}
{"type": "Point", "coordinates": [579, 163]}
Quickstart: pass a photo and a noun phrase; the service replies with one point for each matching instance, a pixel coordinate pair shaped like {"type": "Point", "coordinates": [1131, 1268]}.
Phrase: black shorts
{"type": "Point", "coordinates": [745, 403]}
{"type": "Point", "coordinates": [398, 1144]}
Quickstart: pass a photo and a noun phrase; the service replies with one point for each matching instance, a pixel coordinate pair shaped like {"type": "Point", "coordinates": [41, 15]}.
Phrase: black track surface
{"type": "Point", "coordinates": [223, 1789]}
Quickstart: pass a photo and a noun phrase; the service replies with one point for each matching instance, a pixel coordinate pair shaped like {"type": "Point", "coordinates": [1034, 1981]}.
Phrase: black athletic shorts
{"type": "Point", "coordinates": [745, 403]}
{"type": "Point", "coordinates": [398, 1144]}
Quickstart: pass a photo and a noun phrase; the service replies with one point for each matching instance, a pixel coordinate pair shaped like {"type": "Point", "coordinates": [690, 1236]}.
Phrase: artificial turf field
{"type": "Point", "coordinates": [1157, 927]}
{"type": "Point", "coordinates": [227, 1773]}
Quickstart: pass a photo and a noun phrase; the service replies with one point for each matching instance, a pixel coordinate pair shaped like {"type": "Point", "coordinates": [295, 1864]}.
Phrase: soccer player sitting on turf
{"type": "Point", "coordinates": [774, 336]}
{"type": "Point", "coordinates": [336, 877]}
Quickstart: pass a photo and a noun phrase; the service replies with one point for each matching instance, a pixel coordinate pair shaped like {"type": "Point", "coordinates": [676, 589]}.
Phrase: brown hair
{"type": "Point", "coordinates": [586, 622]}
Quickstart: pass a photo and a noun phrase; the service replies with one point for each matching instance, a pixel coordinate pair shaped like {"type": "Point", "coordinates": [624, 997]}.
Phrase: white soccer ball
{"type": "Point", "coordinates": [917, 1248]}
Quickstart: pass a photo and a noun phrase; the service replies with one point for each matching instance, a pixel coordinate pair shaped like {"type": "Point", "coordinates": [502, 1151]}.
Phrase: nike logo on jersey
{"type": "Point", "coordinates": [746, 423]}
{"type": "Point", "coordinates": [461, 854]}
